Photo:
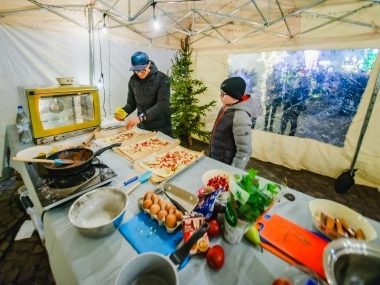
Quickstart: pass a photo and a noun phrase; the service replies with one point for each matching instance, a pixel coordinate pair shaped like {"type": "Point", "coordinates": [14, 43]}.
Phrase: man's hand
{"type": "Point", "coordinates": [132, 122]}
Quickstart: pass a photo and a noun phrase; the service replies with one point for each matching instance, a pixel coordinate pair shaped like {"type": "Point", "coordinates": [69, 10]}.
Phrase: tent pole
{"type": "Point", "coordinates": [91, 45]}
{"type": "Point", "coordinates": [366, 121]}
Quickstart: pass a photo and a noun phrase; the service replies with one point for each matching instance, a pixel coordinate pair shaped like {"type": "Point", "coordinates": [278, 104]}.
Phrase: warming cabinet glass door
{"type": "Point", "coordinates": [66, 110]}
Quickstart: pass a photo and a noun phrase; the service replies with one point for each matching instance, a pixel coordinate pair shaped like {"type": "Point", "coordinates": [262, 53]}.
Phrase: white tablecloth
{"type": "Point", "coordinates": [75, 259]}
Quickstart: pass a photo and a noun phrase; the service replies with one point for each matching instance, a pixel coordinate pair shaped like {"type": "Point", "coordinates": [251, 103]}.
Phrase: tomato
{"type": "Point", "coordinates": [215, 257]}
{"type": "Point", "coordinates": [214, 229]}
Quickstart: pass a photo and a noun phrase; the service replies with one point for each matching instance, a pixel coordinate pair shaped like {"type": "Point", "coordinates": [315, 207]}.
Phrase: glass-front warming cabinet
{"type": "Point", "coordinates": [60, 112]}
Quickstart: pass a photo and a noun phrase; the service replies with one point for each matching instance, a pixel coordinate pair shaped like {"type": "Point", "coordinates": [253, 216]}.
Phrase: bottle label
{"type": "Point", "coordinates": [231, 216]}
{"type": "Point", "coordinates": [22, 127]}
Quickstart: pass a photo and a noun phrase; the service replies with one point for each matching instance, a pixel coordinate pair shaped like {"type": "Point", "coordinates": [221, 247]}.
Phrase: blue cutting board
{"type": "Point", "coordinates": [146, 235]}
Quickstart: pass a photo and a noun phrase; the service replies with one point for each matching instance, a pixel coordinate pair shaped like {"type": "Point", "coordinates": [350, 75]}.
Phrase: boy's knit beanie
{"type": "Point", "coordinates": [234, 87]}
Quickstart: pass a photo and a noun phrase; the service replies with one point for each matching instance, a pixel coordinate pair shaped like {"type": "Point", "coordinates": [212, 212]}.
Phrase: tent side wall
{"type": "Point", "coordinates": [298, 153]}
{"type": "Point", "coordinates": [33, 55]}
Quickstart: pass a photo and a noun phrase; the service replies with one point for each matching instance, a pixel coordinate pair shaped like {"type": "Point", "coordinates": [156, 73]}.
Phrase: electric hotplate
{"type": "Point", "coordinates": [53, 190]}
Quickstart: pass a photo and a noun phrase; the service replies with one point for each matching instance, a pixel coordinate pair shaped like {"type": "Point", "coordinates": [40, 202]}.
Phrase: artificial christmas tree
{"type": "Point", "coordinates": [186, 113]}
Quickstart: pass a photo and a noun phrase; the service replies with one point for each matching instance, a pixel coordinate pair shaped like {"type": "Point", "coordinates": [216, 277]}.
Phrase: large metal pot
{"type": "Point", "coordinates": [99, 212]}
{"type": "Point", "coordinates": [352, 261]}
{"type": "Point", "coordinates": [81, 156]}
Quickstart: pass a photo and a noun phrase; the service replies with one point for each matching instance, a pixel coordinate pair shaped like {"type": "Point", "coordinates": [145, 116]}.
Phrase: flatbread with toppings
{"type": "Point", "coordinates": [120, 137]}
{"type": "Point", "coordinates": [149, 145]}
{"type": "Point", "coordinates": [168, 163]}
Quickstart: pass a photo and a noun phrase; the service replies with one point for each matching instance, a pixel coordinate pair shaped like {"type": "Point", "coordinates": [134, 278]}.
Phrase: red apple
{"type": "Point", "coordinates": [282, 281]}
{"type": "Point", "coordinates": [215, 257]}
{"type": "Point", "coordinates": [214, 229]}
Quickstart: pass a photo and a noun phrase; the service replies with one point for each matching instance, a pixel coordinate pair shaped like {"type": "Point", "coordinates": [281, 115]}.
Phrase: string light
{"type": "Point", "coordinates": [104, 29]}
{"type": "Point", "coordinates": [156, 24]}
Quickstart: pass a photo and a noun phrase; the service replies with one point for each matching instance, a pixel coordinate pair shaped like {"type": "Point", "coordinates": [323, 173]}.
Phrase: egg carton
{"type": "Point", "coordinates": [162, 223]}
{"type": "Point", "coordinates": [187, 200]}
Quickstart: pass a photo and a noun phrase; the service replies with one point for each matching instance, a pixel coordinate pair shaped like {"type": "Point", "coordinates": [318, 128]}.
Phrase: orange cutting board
{"type": "Point", "coordinates": [302, 245]}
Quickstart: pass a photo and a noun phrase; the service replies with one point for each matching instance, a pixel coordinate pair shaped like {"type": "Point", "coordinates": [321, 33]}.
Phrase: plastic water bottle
{"type": "Point", "coordinates": [23, 126]}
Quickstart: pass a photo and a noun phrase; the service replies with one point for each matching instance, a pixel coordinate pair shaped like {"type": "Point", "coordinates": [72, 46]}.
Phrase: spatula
{"type": "Point", "coordinates": [142, 179]}
{"type": "Point", "coordinates": [55, 161]}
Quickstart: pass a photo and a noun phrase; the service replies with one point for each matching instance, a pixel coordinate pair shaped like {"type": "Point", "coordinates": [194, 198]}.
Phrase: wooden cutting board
{"type": "Point", "coordinates": [300, 244]}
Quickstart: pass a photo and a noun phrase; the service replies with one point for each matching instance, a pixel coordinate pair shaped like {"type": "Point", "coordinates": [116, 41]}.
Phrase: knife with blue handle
{"type": "Point", "coordinates": [127, 182]}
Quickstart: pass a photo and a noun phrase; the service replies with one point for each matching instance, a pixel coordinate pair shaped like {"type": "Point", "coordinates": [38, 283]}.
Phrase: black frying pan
{"type": "Point", "coordinates": [81, 156]}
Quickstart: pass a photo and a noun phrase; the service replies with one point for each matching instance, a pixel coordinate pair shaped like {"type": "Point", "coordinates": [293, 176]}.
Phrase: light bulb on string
{"type": "Point", "coordinates": [156, 24]}
{"type": "Point", "coordinates": [104, 29]}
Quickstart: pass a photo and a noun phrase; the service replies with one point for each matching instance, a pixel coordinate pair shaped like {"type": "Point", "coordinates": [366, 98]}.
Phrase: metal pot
{"type": "Point", "coordinates": [352, 261]}
{"type": "Point", "coordinates": [155, 268]}
{"type": "Point", "coordinates": [81, 156]}
{"type": "Point", "coordinates": [99, 212]}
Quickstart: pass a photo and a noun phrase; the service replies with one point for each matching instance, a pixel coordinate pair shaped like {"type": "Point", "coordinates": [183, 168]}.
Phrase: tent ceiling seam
{"type": "Point", "coordinates": [59, 14]}
{"type": "Point", "coordinates": [342, 20]}
{"type": "Point", "coordinates": [336, 19]}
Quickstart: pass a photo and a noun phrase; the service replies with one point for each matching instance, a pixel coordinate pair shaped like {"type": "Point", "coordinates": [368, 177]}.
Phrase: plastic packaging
{"type": "Point", "coordinates": [120, 114]}
{"type": "Point", "coordinates": [23, 126]}
{"type": "Point", "coordinates": [206, 203]}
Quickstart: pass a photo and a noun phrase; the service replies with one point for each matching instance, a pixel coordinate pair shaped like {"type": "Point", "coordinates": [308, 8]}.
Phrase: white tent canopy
{"type": "Point", "coordinates": [40, 41]}
{"type": "Point", "coordinates": [210, 23]}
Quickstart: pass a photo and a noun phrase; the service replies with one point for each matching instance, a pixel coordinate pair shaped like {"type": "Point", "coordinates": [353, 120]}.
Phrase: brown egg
{"type": "Point", "coordinates": [156, 197]}
{"type": "Point", "coordinates": [162, 214]}
{"type": "Point", "coordinates": [154, 209]}
{"type": "Point", "coordinates": [151, 193]}
{"type": "Point", "coordinates": [147, 204]}
{"type": "Point", "coordinates": [178, 214]}
{"type": "Point", "coordinates": [162, 202]}
{"type": "Point", "coordinates": [170, 207]}
{"type": "Point", "coordinates": [171, 221]}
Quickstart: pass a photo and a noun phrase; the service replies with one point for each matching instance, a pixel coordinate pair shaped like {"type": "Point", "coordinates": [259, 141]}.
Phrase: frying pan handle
{"type": "Point", "coordinates": [180, 254]}
{"type": "Point", "coordinates": [100, 151]}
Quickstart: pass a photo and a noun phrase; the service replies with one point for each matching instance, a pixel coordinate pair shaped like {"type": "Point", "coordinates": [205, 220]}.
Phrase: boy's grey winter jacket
{"type": "Point", "coordinates": [231, 136]}
{"type": "Point", "coordinates": [151, 96]}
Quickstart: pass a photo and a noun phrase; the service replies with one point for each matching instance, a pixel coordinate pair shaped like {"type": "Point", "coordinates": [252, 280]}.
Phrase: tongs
{"type": "Point", "coordinates": [175, 203]}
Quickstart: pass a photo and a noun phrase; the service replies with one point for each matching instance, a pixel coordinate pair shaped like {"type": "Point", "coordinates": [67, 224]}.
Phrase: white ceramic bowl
{"type": "Point", "coordinates": [65, 80]}
{"type": "Point", "coordinates": [335, 210]}
{"type": "Point", "coordinates": [33, 152]}
{"type": "Point", "coordinates": [214, 173]}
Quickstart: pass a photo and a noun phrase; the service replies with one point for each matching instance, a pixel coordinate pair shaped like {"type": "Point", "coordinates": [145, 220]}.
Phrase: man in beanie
{"type": "Point", "coordinates": [231, 136]}
{"type": "Point", "coordinates": [149, 93]}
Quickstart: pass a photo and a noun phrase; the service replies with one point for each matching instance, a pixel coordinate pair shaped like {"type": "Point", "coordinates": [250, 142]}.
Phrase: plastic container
{"type": "Point", "coordinates": [23, 126]}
